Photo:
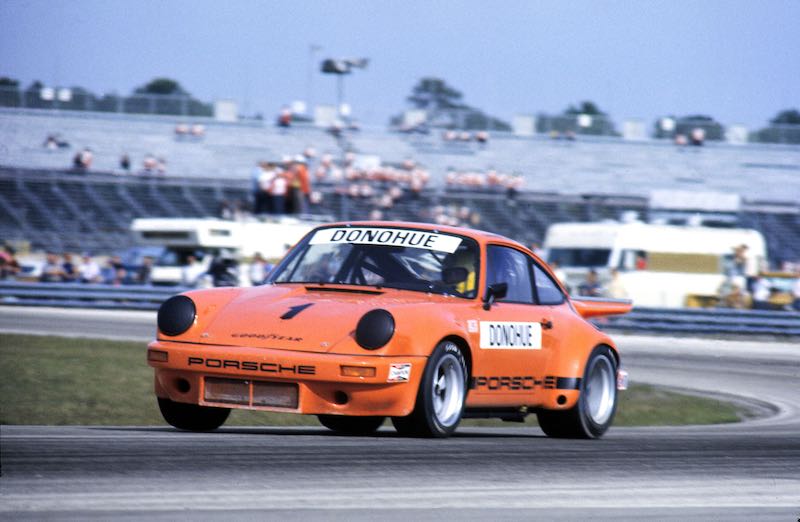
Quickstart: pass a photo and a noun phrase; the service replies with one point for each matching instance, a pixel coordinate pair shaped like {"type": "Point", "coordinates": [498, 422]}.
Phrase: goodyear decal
{"type": "Point", "coordinates": [387, 237]}
{"type": "Point", "coordinates": [511, 335]}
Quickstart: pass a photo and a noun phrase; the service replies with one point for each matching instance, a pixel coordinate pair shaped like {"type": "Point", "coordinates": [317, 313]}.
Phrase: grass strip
{"type": "Point", "coordinates": [67, 381]}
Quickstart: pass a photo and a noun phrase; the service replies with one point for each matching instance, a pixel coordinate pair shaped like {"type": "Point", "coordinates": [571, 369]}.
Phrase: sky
{"type": "Point", "coordinates": [738, 61]}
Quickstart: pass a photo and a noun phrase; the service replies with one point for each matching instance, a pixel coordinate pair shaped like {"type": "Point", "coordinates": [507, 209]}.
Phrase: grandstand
{"type": "Point", "coordinates": [229, 151]}
{"type": "Point", "coordinates": [42, 202]}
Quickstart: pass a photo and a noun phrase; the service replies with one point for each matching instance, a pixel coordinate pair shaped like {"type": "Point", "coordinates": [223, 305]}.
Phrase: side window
{"type": "Point", "coordinates": [506, 265]}
{"type": "Point", "coordinates": [548, 290]}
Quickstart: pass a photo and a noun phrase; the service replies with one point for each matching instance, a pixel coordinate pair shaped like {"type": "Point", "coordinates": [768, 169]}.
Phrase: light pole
{"type": "Point", "coordinates": [312, 51]}
{"type": "Point", "coordinates": [340, 67]}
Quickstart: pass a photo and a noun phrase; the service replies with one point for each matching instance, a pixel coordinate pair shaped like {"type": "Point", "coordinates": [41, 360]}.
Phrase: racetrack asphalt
{"type": "Point", "coordinates": [744, 471]}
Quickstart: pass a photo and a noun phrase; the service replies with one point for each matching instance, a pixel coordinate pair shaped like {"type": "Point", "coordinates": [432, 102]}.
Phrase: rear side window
{"type": "Point", "coordinates": [548, 291]}
{"type": "Point", "coordinates": [506, 265]}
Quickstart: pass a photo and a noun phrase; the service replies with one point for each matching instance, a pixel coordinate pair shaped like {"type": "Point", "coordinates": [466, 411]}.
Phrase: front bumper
{"type": "Point", "coordinates": [309, 383]}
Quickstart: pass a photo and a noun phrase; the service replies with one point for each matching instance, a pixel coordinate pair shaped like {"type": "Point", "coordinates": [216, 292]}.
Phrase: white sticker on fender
{"type": "Point", "coordinates": [511, 335]}
{"type": "Point", "coordinates": [399, 372]}
{"type": "Point", "coordinates": [387, 237]}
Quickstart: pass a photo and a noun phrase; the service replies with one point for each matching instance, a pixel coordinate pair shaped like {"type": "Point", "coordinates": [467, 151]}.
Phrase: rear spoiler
{"type": "Point", "coordinates": [597, 306]}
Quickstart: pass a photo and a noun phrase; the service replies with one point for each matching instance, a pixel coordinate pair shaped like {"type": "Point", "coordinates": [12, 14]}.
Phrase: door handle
{"type": "Point", "coordinates": [547, 324]}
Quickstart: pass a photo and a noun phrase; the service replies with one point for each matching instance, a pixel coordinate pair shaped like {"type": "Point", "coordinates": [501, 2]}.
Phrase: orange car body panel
{"type": "Point", "coordinates": [238, 334]}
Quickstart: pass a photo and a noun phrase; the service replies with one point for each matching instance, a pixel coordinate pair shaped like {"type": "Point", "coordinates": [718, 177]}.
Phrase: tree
{"type": "Point", "coordinates": [586, 107]}
{"type": "Point", "coordinates": [161, 86]}
{"type": "Point", "coordinates": [434, 94]}
{"type": "Point", "coordinates": [445, 108]}
{"type": "Point", "coordinates": [787, 117]}
{"type": "Point", "coordinates": [8, 82]}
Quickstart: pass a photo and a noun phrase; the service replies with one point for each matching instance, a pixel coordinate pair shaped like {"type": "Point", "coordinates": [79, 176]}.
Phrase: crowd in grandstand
{"type": "Point", "coordinates": [282, 188]}
{"type": "Point", "coordinates": [64, 268]}
{"type": "Point", "coordinates": [184, 131]}
{"type": "Point", "coordinates": [488, 180]}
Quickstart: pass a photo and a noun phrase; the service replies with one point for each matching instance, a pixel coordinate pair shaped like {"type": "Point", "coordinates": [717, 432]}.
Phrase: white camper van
{"type": "Point", "coordinates": [658, 265]}
{"type": "Point", "coordinates": [204, 238]}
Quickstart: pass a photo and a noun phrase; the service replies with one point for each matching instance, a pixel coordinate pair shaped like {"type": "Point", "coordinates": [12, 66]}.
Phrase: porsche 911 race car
{"type": "Point", "coordinates": [423, 324]}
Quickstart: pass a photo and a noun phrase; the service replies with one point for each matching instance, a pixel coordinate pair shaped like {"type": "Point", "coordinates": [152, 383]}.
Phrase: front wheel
{"type": "Point", "coordinates": [191, 417]}
{"type": "Point", "coordinates": [597, 404]}
{"type": "Point", "coordinates": [441, 395]}
{"type": "Point", "coordinates": [350, 425]}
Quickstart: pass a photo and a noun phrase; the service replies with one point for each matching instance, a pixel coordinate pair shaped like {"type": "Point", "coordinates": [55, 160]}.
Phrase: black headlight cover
{"type": "Point", "coordinates": [176, 315]}
{"type": "Point", "coordinates": [375, 329]}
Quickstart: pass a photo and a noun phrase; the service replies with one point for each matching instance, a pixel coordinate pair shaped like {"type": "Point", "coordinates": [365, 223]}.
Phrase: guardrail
{"type": "Point", "coordinates": [75, 295]}
{"type": "Point", "coordinates": [705, 321]}
{"type": "Point", "coordinates": [688, 321]}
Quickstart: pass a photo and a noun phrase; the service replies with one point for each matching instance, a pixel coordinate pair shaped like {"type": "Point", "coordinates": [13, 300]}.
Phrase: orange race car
{"type": "Point", "coordinates": [421, 323]}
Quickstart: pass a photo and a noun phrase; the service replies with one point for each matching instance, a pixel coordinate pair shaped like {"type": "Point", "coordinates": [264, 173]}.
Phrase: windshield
{"type": "Point", "coordinates": [583, 257]}
{"type": "Point", "coordinates": [403, 258]}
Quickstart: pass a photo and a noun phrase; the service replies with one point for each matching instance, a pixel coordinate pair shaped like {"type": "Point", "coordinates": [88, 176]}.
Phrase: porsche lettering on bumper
{"type": "Point", "coordinates": [252, 366]}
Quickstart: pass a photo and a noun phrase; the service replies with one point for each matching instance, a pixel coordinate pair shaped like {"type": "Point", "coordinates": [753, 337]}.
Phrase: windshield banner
{"type": "Point", "coordinates": [387, 237]}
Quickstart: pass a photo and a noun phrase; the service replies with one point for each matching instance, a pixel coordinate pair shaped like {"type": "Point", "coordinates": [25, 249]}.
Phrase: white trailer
{"type": "Point", "coordinates": [204, 238]}
{"type": "Point", "coordinates": [658, 265]}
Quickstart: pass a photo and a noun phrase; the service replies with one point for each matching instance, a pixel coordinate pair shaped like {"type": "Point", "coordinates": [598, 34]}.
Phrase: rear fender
{"type": "Point", "coordinates": [595, 307]}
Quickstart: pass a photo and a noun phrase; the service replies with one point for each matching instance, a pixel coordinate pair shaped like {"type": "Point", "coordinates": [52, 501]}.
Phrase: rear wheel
{"type": "Point", "coordinates": [351, 425]}
{"type": "Point", "coordinates": [597, 404]}
{"type": "Point", "coordinates": [441, 395]}
{"type": "Point", "coordinates": [191, 417]}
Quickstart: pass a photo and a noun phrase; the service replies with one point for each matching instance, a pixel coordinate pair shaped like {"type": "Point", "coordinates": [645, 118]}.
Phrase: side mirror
{"type": "Point", "coordinates": [454, 275]}
{"type": "Point", "coordinates": [493, 293]}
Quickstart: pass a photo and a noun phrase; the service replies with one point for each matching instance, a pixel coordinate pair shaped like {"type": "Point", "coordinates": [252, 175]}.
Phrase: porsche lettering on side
{"type": "Point", "coordinates": [422, 324]}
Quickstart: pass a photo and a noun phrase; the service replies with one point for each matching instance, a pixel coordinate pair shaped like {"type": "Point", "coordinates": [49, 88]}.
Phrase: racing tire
{"type": "Point", "coordinates": [441, 395]}
{"type": "Point", "coordinates": [191, 417]}
{"type": "Point", "coordinates": [351, 425]}
{"type": "Point", "coordinates": [593, 413]}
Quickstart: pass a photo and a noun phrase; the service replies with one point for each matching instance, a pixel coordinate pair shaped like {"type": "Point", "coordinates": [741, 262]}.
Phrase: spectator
{"type": "Point", "coordinates": [161, 166]}
{"type": "Point", "coordinates": [591, 286]}
{"type": "Point", "coordinates": [191, 271]}
{"type": "Point", "coordinates": [115, 273]}
{"type": "Point", "coordinates": [261, 181]}
{"type": "Point", "coordinates": [761, 293]}
{"type": "Point", "coordinates": [285, 118]}
{"type": "Point", "coordinates": [740, 260]}
{"type": "Point", "coordinates": [616, 288]}
{"type": "Point", "coordinates": [641, 260]}
{"type": "Point", "coordinates": [145, 272]}
{"type": "Point", "coordinates": [69, 268]}
{"type": "Point", "coordinates": [259, 270]}
{"type": "Point", "coordinates": [224, 269]}
{"type": "Point", "coordinates": [736, 298]}
{"type": "Point", "coordinates": [698, 136]}
{"type": "Point", "coordinates": [89, 271]}
{"type": "Point", "coordinates": [9, 266]}
{"type": "Point", "coordinates": [77, 164]}
{"type": "Point", "coordinates": [52, 271]}
{"type": "Point", "coordinates": [86, 158]}
{"type": "Point", "coordinates": [225, 209]}
{"type": "Point", "coordinates": [149, 165]}
{"type": "Point", "coordinates": [125, 163]}
{"type": "Point", "coordinates": [277, 192]}
{"type": "Point", "coordinates": [302, 185]}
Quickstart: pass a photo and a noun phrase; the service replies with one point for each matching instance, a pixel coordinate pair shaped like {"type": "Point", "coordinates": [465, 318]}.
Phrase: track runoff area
{"type": "Point", "coordinates": [739, 471]}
